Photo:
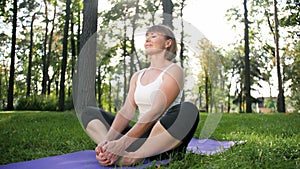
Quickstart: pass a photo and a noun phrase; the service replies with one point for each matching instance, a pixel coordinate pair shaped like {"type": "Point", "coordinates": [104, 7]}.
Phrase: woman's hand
{"type": "Point", "coordinates": [109, 152]}
{"type": "Point", "coordinates": [99, 149]}
{"type": "Point", "coordinates": [114, 149]}
{"type": "Point", "coordinates": [100, 155]}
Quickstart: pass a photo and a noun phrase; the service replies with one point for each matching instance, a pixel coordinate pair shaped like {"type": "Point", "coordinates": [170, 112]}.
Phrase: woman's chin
{"type": "Point", "coordinates": [153, 51]}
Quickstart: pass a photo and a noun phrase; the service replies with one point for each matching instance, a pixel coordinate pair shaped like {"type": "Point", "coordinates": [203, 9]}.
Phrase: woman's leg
{"type": "Point", "coordinates": [166, 137]}
{"type": "Point", "coordinates": [159, 141]}
{"type": "Point", "coordinates": [96, 123]}
{"type": "Point", "coordinates": [96, 130]}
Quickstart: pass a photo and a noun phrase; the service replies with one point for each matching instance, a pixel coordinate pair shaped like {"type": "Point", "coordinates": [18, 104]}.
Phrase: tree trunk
{"type": "Point", "coordinates": [247, 62]}
{"type": "Point", "coordinates": [110, 96]}
{"type": "Point", "coordinates": [167, 13]}
{"type": "Point", "coordinates": [10, 97]}
{"type": "Point", "coordinates": [50, 48]}
{"type": "Point", "coordinates": [280, 99]}
{"type": "Point", "coordinates": [99, 84]}
{"type": "Point", "coordinates": [133, 50]}
{"type": "Point", "coordinates": [28, 79]}
{"type": "Point", "coordinates": [229, 99]}
{"type": "Point", "coordinates": [61, 106]}
{"type": "Point", "coordinates": [79, 28]}
{"type": "Point", "coordinates": [73, 48]}
{"type": "Point", "coordinates": [155, 9]}
{"type": "Point", "coordinates": [182, 57]}
{"type": "Point", "coordinates": [44, 56]}
{"type": "Point", "coordinates": [83, 87]}
{"type": "Point", "coordinates": [206, 91]}
{"type": "Point", "coordinates": [124, 58]}
{"type": "Point", "coordinates": [52, 80]}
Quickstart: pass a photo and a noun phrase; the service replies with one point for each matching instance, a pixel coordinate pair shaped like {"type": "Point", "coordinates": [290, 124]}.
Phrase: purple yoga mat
{"type": "Point", "coordinates": [86, 159]}
{"type": "Point", "coordinates": [208, 146]}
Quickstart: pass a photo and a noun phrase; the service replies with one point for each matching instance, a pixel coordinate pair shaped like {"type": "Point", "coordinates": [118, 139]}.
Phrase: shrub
{"type": "Point", "coordinates": [37, 102]}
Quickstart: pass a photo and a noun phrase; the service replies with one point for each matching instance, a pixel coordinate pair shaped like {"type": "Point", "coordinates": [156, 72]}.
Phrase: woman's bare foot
{"type": "Point", "coordinates": [128, 160]}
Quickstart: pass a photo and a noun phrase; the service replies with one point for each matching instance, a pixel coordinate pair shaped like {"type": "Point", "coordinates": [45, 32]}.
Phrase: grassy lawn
{"type": "Point", "coordinates": [273, 140]}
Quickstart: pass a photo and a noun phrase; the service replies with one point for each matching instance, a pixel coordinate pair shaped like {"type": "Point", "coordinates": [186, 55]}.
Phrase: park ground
{"type": "Point", "coordinates": [273, 140]}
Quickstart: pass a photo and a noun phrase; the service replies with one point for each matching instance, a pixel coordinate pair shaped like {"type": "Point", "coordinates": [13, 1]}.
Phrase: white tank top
{"type": "Point", "coordinates": [142, 94]}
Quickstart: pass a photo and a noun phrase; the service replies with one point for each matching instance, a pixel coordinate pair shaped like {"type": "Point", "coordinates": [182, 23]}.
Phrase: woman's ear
{"type": "Point", "coordinates": [168, 43]}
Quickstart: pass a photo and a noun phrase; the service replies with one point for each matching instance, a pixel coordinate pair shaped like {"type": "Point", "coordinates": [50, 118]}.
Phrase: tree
{"type": "Point", "coordinates": [211, 78]}
{"type": "Point", "coordinates": [262, 55]}
{"type": "Point", "coordinates": [50, 45]}
{"type": "Point", "coordinates": [291, 22]}
{"type": "Point", "coordinates": [181, 53]}
{"type": "Point", "coordinates": [152, 7]}
{"type": "Point", "coordinates": [32, 6]}
{"type": "Point", "coordinates": [44, 56]}
{"type": "Point", "coordinates": [10, 97]}
{"type": "Point", "coordinates": [30, 57]}
{"type": "Point", "coordinates": [293, 73]}
{"type": "Point", "coordinates": [61, 105]}
{"type": "Point", "coordinates": [280, 98]}
{"type": "Point", "coordinates": [247, 61]}
{"type": "Point", "coordinates": [86, 62]}
{"type": "Point", "coordinates": [168, 13]}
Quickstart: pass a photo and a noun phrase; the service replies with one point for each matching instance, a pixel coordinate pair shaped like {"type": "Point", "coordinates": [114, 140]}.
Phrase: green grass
{"type": "Point", "coordinates": [273, 140]}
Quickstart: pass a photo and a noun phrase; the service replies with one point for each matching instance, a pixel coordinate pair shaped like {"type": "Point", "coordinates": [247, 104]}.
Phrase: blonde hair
{"type": "Point", "coordinates": [168, 33]}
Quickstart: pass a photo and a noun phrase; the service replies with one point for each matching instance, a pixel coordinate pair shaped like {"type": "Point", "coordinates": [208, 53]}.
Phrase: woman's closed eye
{"type": "Point", "coordinates": [151, 36]}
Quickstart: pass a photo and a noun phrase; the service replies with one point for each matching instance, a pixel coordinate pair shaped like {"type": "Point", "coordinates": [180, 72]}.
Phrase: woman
{"type": "Point", "coordinates": [163, 127]}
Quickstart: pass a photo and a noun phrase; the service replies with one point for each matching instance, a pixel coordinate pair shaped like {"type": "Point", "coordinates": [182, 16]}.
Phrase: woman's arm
{"type": "Point", "coordinates": [161, 100]}
{"type": "Point", "coordinates": [105, 154]}
{"type": "Point", "coordinates": [125, 114]}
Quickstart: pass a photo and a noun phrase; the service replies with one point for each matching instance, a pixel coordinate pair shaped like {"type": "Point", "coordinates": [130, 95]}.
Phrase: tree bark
{"type": "Point", "coordinates": [207, 84]}
{"type": "Point", "coordinates": [44, 56]}
{"type": "Point", "coordinates": [168, 13]}
{"type": "Point", "coordinates": [124, 48]}
{"type": "Point", "coordinates": [99, 84]}
{"type": "Point", "coordinates": [48, 61]}
{"type": "Point", "coordinates": [182, 57]}
{"type": "Point", "coordinates": [83, 87]}
{"type": "Point", "coordinates": [10, 97]}
{"type": "Point", "coordinates": [280, 99]}
{"type": "Point", "coordinates": [61, 106]}
{"type": "Point", "coordinates": [247, 62]}
{"type": "Point", "coordinates": [28, 79]}
{"type": "Point", "coordinates": [132, 42]}
{"type": "Point", "coordinates": [74, 50]}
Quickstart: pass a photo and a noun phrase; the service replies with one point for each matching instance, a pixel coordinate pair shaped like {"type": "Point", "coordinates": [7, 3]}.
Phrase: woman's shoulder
{"type": "Point", "coordinates": [175, 68]}
{"type": "Point", "coordinates": [136, 74]}
{"type": "Point", "coordinates": [175, 71]}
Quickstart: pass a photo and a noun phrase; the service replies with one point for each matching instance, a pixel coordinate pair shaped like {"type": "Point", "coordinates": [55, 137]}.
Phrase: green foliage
{"type": "Point", "coordinates": [37, 103]}
{"type": "Point", "coordinates": [292, 74]}
{"type": "Point", "coordinates": [262, 46]}
{"type": "Point", "coordinates": [40, 102]}
{"type": "Point", "coordinates": [29, 135]}
{"type": "Point", "coordinates": [292, 18]}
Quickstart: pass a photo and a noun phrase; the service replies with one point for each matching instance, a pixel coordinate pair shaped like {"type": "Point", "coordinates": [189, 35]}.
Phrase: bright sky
{"type": "Point", "coordinates": [209, 17]}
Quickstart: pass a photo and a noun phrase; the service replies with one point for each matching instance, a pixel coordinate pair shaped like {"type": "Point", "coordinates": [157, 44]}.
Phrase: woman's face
{"type": "Point", "coordinates": [155, 43]}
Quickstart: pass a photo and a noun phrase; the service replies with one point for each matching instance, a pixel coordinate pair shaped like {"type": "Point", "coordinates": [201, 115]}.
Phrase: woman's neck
{"type": "Point", "coordinates": [159, 62]}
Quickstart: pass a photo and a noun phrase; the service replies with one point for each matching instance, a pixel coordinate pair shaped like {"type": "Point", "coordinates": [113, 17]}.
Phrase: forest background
{"type": "Point", "coordinates": [40, 42]}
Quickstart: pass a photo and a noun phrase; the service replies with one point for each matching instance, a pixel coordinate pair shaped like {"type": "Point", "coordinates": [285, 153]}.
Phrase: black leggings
{"type": "Point", "coordinates": [180, 121]}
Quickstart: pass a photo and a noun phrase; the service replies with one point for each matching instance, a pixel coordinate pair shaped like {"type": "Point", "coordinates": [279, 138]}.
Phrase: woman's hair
{"type": "Point", "coordinates": [168, 33]}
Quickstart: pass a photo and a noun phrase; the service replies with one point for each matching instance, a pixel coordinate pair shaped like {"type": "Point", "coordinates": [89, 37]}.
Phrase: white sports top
{"type": "Point", "coordinates": [143, 93]}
